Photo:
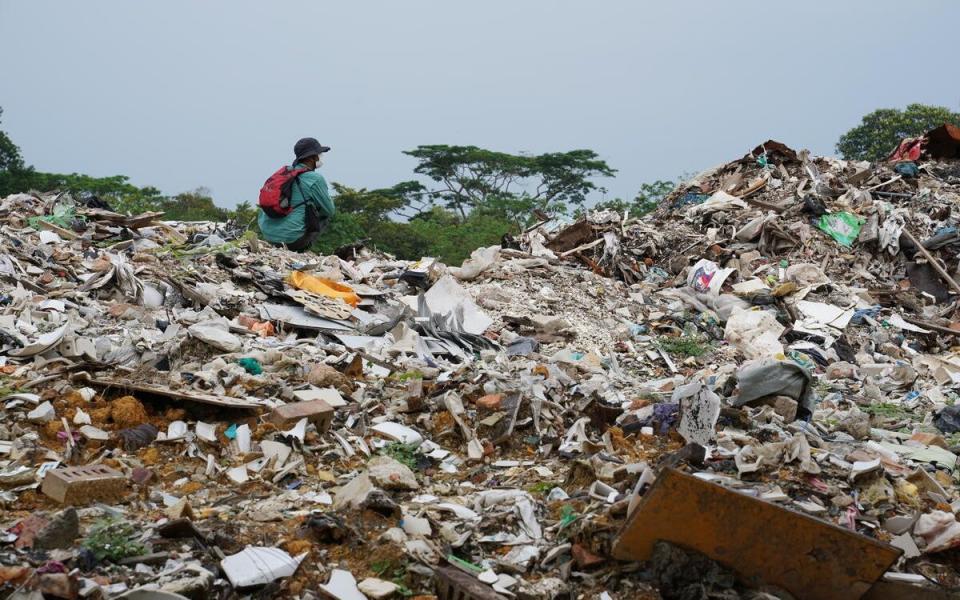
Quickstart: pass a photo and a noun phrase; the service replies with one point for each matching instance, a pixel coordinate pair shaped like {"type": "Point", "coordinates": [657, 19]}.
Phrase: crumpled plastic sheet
{"type": "Point", "coordinates": [948, 419]}
{"type": "Point", "coordinates": [844, 227]}
{"type": "Point", "coordinates": [752, 458]}
{"type": "Point", "coordinates": [772, 377]}
{"type": "Point", "coordinates": [755, 333]}
{"type": "Point", "coordinates": [939, 529]}
{"type": "Point", "coordinates": [890, 232]}
{"type": "Point", "coordinates": [141, 436]}
{"type": "Point", "coordinates": [722, 305]}
{"type": "Point", "coordinates": [480, 260]}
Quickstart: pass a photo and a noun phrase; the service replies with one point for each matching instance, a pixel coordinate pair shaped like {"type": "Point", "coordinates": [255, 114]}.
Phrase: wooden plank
{"type": "Point", "coordinates": [931, 326]}
{"type": "Point", "coordinates": [188, 395]}
{"type": "Point", "coordinates": [586, 246]}
{"type": "Point", "coordinates": [63, 233]}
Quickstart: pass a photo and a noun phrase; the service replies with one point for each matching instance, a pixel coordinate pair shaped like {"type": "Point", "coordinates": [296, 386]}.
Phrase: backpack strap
{"type": "Point", "coordinates": [296, 180]}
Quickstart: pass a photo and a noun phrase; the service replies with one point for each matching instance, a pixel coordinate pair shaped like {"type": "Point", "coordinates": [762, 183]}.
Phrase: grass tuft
{"type": "Point", "coordinates": [684, 345]}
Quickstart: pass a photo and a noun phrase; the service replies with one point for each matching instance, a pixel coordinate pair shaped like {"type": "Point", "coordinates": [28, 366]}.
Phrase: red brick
{"type": "Point", "coordinates": [83, 485]}
{"type": "Point", "coordinates": [584, 558]}
{"type": "Point", "coordinates": [317, 412]}
{"type": "Point", "coordinates": [490, 401]}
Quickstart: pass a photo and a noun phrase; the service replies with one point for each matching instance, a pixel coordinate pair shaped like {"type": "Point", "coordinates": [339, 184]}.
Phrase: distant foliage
{"type": "Point", "coordinates": [437, 232]}
{"type": "Point", "coordinates": [122, 196]}
{"type": "Point", "coordinates": [10, 158]}
{"type": "Point", "coordinates": [470, 178]}
{"type": "Point", "coordinates": [480, 196]}
{"type": "Point", "coordinates": [116, 190]}
{"type": "Point", "coordinates": [880, 131]}
{"type": "Point", "coordinates": [647, 199]}
{"type": "Point", "coordinates": [196, 205]}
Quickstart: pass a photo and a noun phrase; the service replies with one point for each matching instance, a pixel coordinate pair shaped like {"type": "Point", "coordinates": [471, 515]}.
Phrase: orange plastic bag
{"type": "Point", "coordinates": [323, 287]}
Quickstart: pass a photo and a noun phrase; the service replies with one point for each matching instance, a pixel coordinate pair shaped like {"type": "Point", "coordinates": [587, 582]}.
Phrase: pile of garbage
{"type": "Point", "coordinates": [749, 393]}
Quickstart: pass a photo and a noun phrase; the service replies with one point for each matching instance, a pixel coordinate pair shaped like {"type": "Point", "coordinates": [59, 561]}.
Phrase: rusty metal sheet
{"type": "Point", "coordinates": [762, 542]}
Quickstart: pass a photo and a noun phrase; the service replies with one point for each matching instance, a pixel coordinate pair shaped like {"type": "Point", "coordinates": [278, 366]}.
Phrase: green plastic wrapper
{"type": "Point", "coordinates": [251, 365]}
{"type": "Point", "coordinates": [64, 213]}
{"type": "Point", "coordinates": [841, 226]}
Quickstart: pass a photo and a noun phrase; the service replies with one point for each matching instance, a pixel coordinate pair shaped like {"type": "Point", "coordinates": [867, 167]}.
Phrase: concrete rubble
{"type": "Point", "coordinates": [190, 412]}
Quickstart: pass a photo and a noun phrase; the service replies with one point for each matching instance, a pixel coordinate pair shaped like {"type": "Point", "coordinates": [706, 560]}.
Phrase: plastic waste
{"type": "Point", "coordinates": [756, 333]}
{"type": "Point", "coordinates": [323, 287]}
{"type": "Point", "coordinates": [258, 565]}
{"type": "Point", "coordinates": [707, 276]}
{"type": "Point", "coordinates": [522, 346]}
{"type": "Point", "coordinates": [948, 419]}
{"type": "Point", "coordinates": [63, 214]}
{"type": "Point", "coordinates": [134, 438]}
{"type": "Point", "coordinates": [775, 377]}
{"type": "Point", "coordinates": [699, 411]}
{"type": "Point", "coordinates": [859, 315]}
{"type": "Point", "coordinates": [480, 260]}
{"type": "Point", "coordinates": [844, 227]}
{"type": "Point", "coordinates": [251, 365]}
{"type": "Point", "coordinates": [691, 197]}
{"type": "Point", "coordinates": [907, 169]}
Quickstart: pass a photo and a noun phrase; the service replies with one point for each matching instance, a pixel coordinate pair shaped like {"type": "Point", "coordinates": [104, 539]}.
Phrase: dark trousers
{"type": "Point", "coordinates": [303, 242]}
{"type": "Point", "coordinates": [315, 226]}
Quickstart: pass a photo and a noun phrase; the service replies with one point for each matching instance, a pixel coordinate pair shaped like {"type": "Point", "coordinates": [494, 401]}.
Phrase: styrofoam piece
{"type": "Point", "coordinates": [259, 565]}
{"type": "Point", "coordinates": [398, 432]}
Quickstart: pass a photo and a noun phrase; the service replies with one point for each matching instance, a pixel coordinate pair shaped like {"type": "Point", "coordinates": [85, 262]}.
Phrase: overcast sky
{"type": "Point", "coordinates": [180, 94]}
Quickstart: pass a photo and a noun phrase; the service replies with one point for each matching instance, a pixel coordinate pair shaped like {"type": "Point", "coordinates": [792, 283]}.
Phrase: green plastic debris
{"type": "Point", "coordinates": [464, 564]}
{"type": "Point", "coordinates": [251, 365]}
{"type": "Point", "coordinates": [567, 516]}
{"type": "Point", "coordinates": [841, 226]}
{"type": "Point", "coordinates": [63, 215]}
{"type": "Point", "coordinates": [907, 169]}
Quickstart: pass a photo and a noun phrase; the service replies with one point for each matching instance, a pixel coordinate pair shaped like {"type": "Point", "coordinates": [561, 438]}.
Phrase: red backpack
{"type": "Point", "coordinates": [277, 191]}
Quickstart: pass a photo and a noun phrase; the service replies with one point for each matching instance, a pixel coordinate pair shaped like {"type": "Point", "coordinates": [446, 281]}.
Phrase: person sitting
{"type": "Point", "coordinates": [299, 208]}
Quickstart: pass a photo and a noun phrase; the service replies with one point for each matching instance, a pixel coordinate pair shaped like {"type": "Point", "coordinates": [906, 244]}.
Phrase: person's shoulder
{"type": "Point", "coordinates": [312, 178]}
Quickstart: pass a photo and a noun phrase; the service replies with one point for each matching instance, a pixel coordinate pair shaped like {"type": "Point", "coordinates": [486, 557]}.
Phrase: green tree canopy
{"type": "Point", "coordinates": [470, 177]}
{"type": "Point", "coordinates": [116, 189]}
{"type": "Point", "coordinates": [10, 159]}
{"type": "Point", "coordinates": [647, 199]}
{"type": "Point", "coordinates": [880, 131]}
{"type": "Point", "coordinates": [195, 205]}
{"type": "Point", "coordinates": [380, 204]}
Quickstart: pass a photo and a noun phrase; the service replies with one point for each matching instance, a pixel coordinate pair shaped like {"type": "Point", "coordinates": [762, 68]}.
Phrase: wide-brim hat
{"type": "Point", "coordinates": [308, 147]}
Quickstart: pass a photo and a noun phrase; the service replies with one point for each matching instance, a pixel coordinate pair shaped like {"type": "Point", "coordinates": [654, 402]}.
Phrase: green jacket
{"type": "Point", "coordinates": [290, 228]}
